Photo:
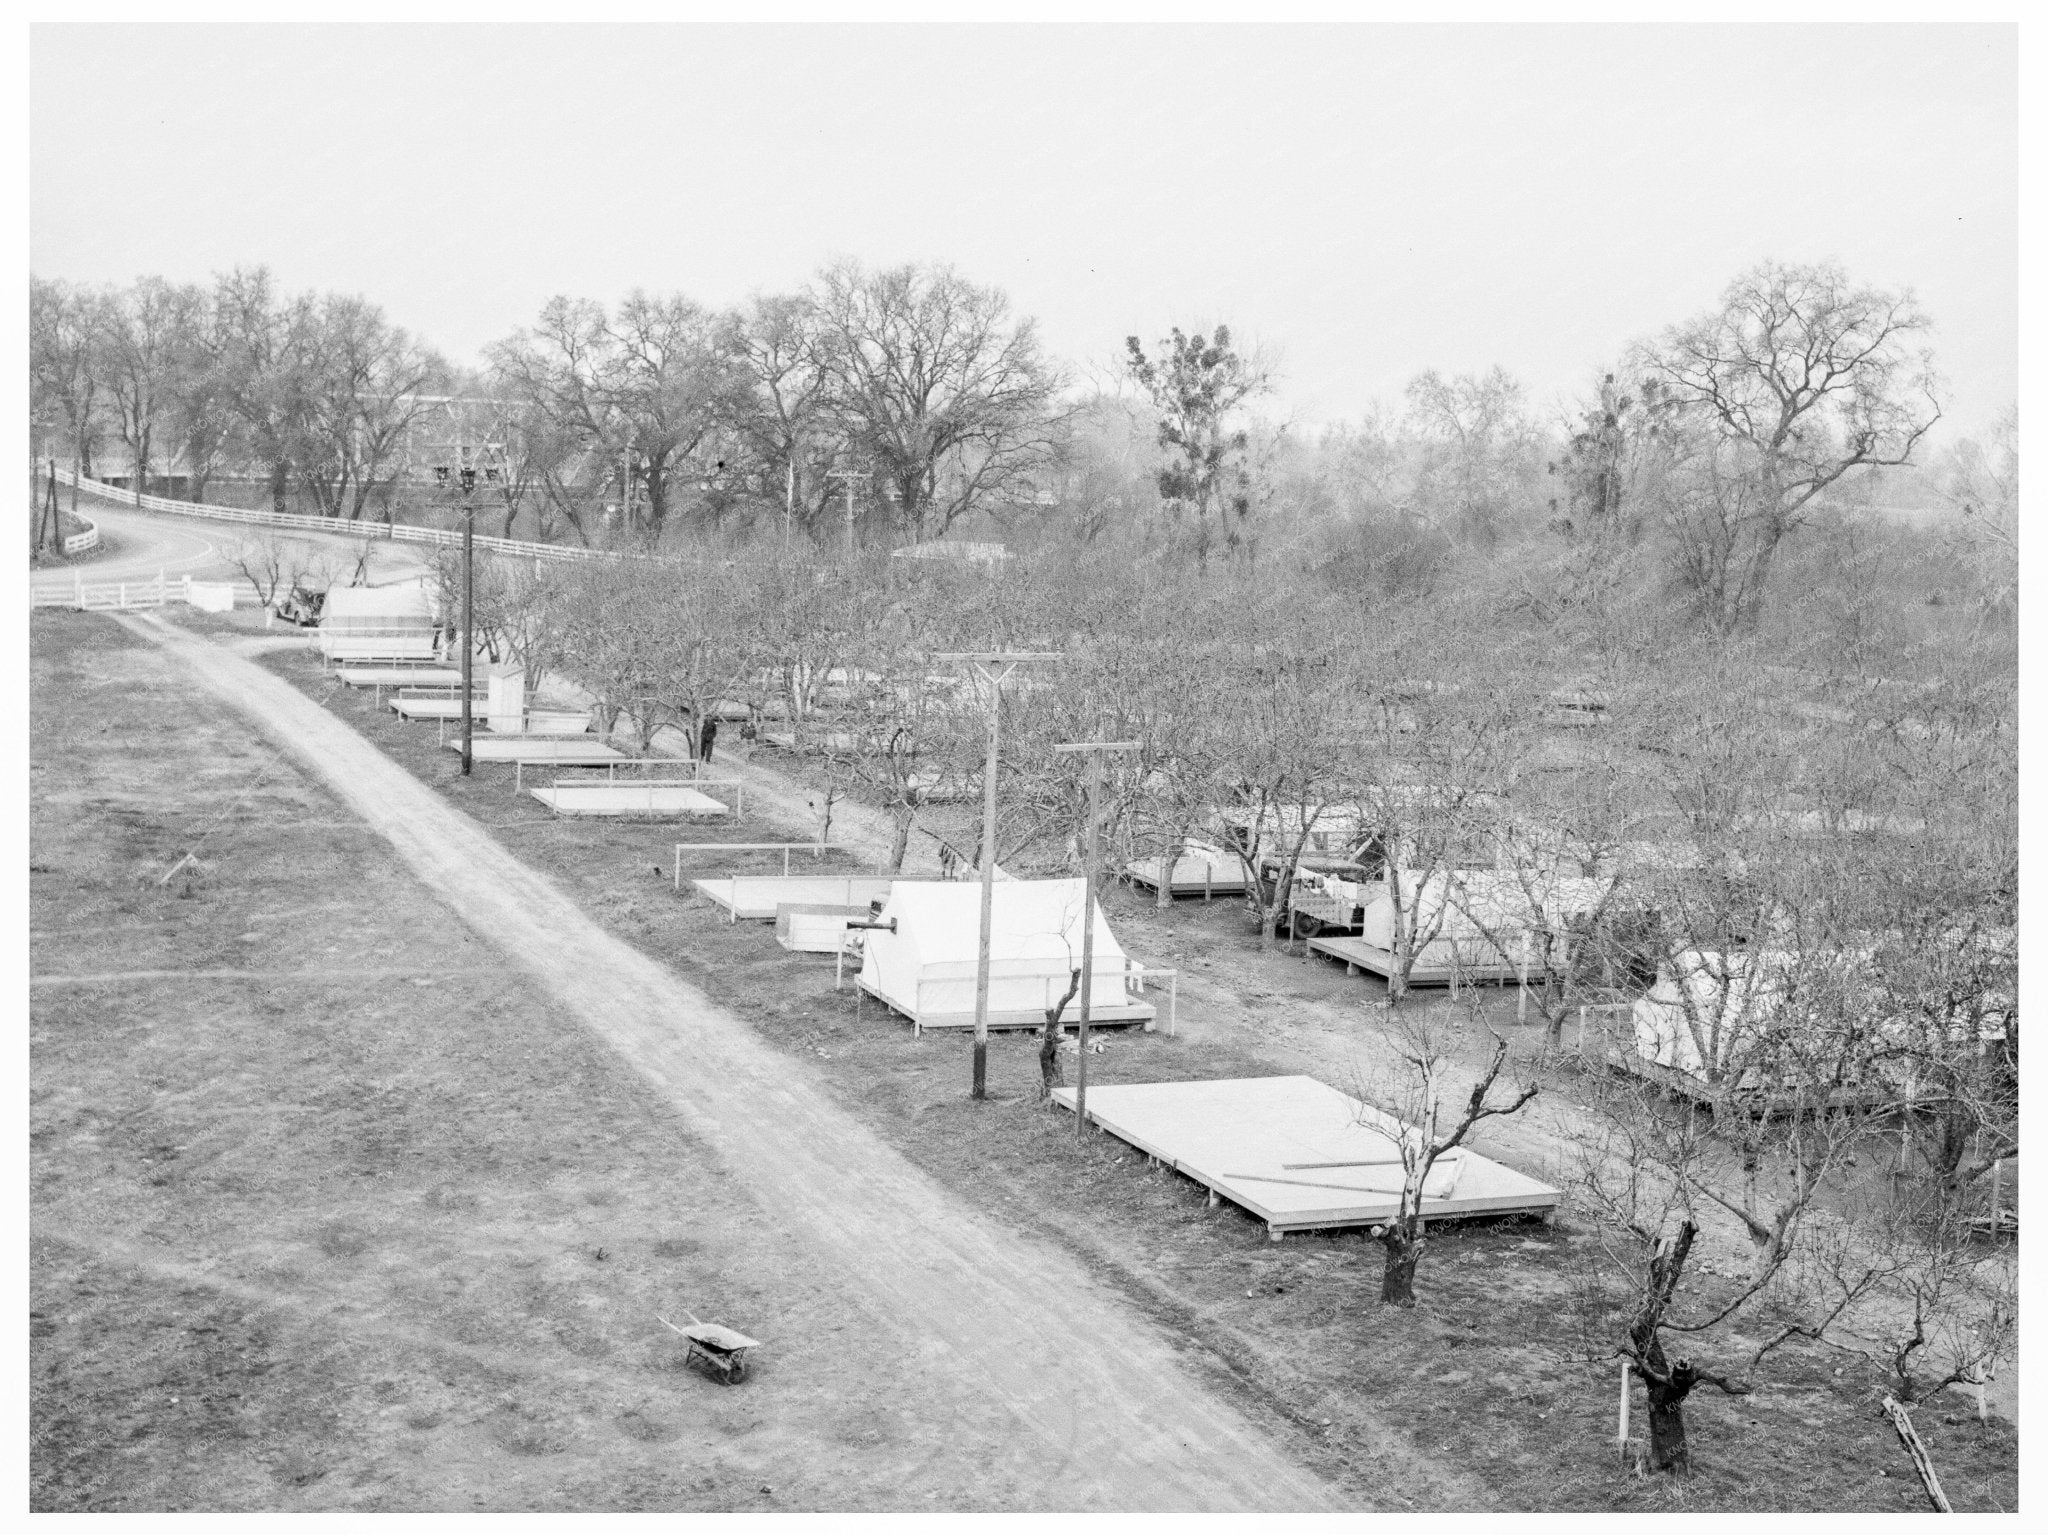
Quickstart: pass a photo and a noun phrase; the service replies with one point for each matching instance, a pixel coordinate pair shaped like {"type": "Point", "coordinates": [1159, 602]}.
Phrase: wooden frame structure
{"type": "Point", "coordinates": [645, 797]}
{"type": "Point", "coordinates": [815, 849]}
{"type": "Point", "coordinates": [758, 897]}
{"type": "Point", "coordinates": [1355, 954]}
{"type": "Point", "coordinates": [1192, 875]}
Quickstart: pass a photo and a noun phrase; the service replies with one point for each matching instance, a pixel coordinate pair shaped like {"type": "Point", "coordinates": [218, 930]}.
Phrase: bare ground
{"type": "Point", "coordinates": [949, 1301]}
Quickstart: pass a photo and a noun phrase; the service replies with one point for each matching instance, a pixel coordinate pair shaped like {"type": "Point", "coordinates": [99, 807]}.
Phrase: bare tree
{"type": "Point", "coordinates": [263, 342]}
{"type": "Point", "coordinates": [358, 403]}
{"type": "Point", "coordinates": [1797, 379]}
{"type": "Point", "coordinates": [64, 370]}
{"type": "Point", "coordinates": [935, 385]}
{"type": "Point", "coordinates": [1433, 1124]}
{"type": "Point", "coordinates": [275, 565]}
{"type": "Point", "coordinates": [787, 420]}
{"type": "Point", "coordinates": [643, 388]}
{"type": "Point", "coordinates": [145, 335]}
{"type": "Point", "coordinates": [1479, 452]}
{"type": "Point", "coordinates": [1981, 481]}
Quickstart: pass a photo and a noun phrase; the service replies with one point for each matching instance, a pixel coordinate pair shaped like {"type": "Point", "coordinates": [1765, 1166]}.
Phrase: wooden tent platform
{"type": "Point", "coordinates": [1144, 872]}
{"type": "Point", "coordinates": [439, 708]}
{"type": "Point", "coordinates": [554, 722]}
{"type": "Point", "coordinates": [1753, 1101]}
{"type": "Point", "coordinates": [1356, 954]}
{"type": "Point", "coordinates": [650, 797]}
{"type": "Point", "coordinates": [399, 676]}
{"type": "Point", "coordinates": [1103, 1015]}
{"type": "Point", "coordinates": [755, 897]}
{"type": "Point", "coordinates": [1298, 1154]}
{"type": "Point", "coordinates": [541, 751]}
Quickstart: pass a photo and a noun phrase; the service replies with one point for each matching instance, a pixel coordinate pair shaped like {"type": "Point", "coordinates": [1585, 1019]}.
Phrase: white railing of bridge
{"type": "Point", "coordinates": [395, 532]}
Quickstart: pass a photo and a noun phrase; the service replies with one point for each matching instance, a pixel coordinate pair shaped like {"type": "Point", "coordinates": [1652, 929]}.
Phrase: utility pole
{"type": "Point", "coordinates": [992, 667]}
{"type": "Point", "coordinates": [850, 475]}
{"type": "Point", "coordinates": [789, 504]}
{"type": "Point", "coordinates": [1094, 749]}
{"type": "Point", "coordinates": [49, 527]}
{"type": "Point", "coordinates": [468, 475]}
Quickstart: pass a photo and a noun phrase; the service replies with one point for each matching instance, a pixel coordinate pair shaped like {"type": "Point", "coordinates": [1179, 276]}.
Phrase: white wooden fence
{"type": "Point", "coordinates": [78, 543]}
{"type": "Point", "coordinates": [106, 596]}
{"type": "Point", "coordinates": [114, 596]}
{"type": "Point", "coordinates": [396, 532]}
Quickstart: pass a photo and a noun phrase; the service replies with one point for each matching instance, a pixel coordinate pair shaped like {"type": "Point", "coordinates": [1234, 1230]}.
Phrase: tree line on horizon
{"type": "Point", "coordinates": [909, 403]}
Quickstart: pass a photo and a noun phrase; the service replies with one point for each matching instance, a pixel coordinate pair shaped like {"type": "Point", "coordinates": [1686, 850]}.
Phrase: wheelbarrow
{"type": "Point", "coordinates": [721, 1349]}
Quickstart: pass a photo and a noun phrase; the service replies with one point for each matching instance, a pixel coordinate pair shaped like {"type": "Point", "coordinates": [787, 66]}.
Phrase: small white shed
{"type": "Point", "coordinates": [925, 967]}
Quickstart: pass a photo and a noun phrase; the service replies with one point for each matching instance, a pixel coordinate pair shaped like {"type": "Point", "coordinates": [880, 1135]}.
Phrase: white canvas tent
{"type": "Point", "coordinates": [1708, 1008]}
{"type": "Point", "coordinates": [377, 623]}
{"type": "Point", "coordinates": [1478, 924]}
{"type": "Point", "coordinates": [925, 967]}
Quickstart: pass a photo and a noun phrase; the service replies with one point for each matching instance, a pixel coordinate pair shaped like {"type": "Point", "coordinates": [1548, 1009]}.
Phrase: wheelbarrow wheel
{"type": "Point", "coordinates": [735, 1371]}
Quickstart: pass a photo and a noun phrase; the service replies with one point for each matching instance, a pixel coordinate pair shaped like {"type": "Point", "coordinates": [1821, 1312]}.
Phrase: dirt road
{"type": "Point", "coordinates": [142, 544]}
{"type": "Point", "coordinates": [1122, 1424]}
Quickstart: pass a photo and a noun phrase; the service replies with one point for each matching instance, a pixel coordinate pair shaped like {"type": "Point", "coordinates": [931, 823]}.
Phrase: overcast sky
{"type": "Point", "coordinates": [1366, 202]}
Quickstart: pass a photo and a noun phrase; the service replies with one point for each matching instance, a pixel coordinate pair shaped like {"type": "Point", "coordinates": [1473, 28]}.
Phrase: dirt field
{"type": "Point", "coordinates": [1481, 1397]}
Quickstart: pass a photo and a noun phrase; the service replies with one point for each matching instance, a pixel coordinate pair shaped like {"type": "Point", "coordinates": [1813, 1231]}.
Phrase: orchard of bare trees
{"type": "Point", "coordinates": [1666, 690]}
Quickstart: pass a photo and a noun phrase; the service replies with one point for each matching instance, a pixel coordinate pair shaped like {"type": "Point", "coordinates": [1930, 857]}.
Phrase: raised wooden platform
{"type": "Point", "coordinates": [647, 799]}
{"type": "Point", "coordinates": [540, 751]}
{"type": "Point", "coordinates": [1191, 876]}
{"type": "Point", "coordinates": [1102, 1015]}
{"type": "Point", "coordinates": [1355, 954]}
{"type": "Point", "coordinates": [1298, 1154]}
{"type": "Point", "coordinates": [755, 897]}
{"type": "Point", "coordinates": [439, 708]}
{"type": "Point", "coordinates": [399, 676]}
{"type": "Point", "coordinates": [1754, 1101]}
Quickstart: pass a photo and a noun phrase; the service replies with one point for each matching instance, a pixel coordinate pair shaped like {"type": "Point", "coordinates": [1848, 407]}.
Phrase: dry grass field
{"type": "Point", "coordinates": [1481, 1397]}
{"type": "Point", "coordinates": [327, 1212]}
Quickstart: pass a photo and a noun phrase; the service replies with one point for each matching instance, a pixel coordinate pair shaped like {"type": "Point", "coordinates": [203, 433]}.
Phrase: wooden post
{"type": "Point", "coordinates": [1621, 1419]}
{"type": "Point", "coordinates": [1094, 750]}
{"type": "Point", "coordinates": [1911, 1440]}
{"type": "Point", "coordinates": [993, 667]}
{"type": "Point", "coordinates": [988, 874]}
{"type": "Point", "coordinates": [468, 610]}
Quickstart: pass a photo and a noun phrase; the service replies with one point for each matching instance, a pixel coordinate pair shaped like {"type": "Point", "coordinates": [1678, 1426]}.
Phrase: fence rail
{"type": "Point", "coordinates": [395, 532]}
{"type": "Point", "coordinates": [78, 543]}
{"type": "Point", "coordinates": [110, 596]}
